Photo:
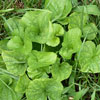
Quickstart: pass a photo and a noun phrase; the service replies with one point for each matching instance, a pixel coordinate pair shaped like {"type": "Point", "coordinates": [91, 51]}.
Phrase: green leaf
{"type": "Point", "coordinates": [40, 89]}
{"type": "Point", "coordinates": [22, 84]}
{"type": "Point", "coordinates": [89, 9]}
{"type": "Point", "coordinates": [15, 62]}
{"type": "Point", "coordinates": [90, 31]}
{"type": "Point", "coordinates": [27, 46]}
{"type": "Point", "coordinates": [89, 58]}
{"type": "Point", "coordinates": [18, 44]}
{"type": "Point", "coordinates": [71, 43]}
{"type": "Point", "coordinates": [6, 90]}
{"type": "Point", "coordinates": [15, 27]}
{"type": "Point", "coordinates": [6, 78]}
{"type": "Point", "coordinates": [15, 43]}
{"type": "Point", "coordinates": [63, 21]}
{"type": "Point", "coordinates": [39, 59]}
{"type": "Point", "coordinates": [35, 29]}
{"type": "Point", "coordinates": [39, 72]}
{"type": "Point", "coordinates": [34, 74]}
{"type": "Point", "coordinates": [37, 25]}
{"type": "Point", "coordinates": [77, 20]}
{"type": "Point", "coordinates": [59, 8]}
{"type": "Point", "coordinates": [61, 71]}
{"type": "Point", "coordinates": [11, 24]}
{"type": "Point", "coordinates": [39, 63]}
{"type": "Point", "coordinates": [56, 30]}
{"type": "Point", "coordinates": [2, 64]}
{"type": "Point", "coordinates": [3, 45]}
{"type": "Point", "coordinates": [74, 2]}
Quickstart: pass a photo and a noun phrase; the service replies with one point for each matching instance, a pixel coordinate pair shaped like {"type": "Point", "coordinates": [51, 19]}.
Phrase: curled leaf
{"type": "Point", "coordinates": [61, 71]}
{"type": "Point", "coordinates": [71, 43]}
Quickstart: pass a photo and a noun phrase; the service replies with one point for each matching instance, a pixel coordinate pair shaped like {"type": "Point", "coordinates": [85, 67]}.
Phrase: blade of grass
{"type": "Point", "coordinates": [93, 95]}
{"type": "Point", "coordinates": [6, 10]}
